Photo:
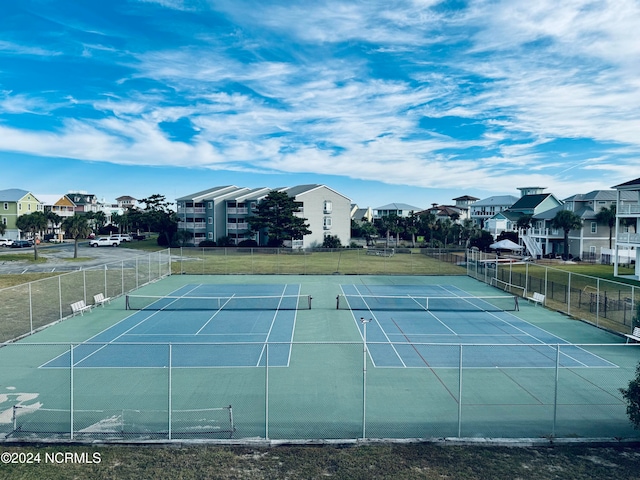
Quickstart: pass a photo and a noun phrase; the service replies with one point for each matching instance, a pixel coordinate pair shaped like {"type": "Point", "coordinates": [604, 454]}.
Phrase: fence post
{"type": "Point", "coordinates": [598, 301]}
{"type": "Point", "coordinates": [71, 406]}
{"type": "Point", "coordinates": [31, 310]}
{"type": "Point", "coordinates": [569, 295]}
{"type": "Point", "coordinates": [169, 391]}
{"type": "Point", "coordinates": [59, 294]}
{"type": "Point", "coordinates": [266, 393]}
{"type": "Point", "coordinates": [364, 376]}
{"type": "Point", "coordinates": [460, 370]}
{"type": "Point", "coordinates": [555, 394]}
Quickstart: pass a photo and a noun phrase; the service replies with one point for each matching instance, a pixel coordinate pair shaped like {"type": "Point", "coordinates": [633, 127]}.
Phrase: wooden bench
{"type": "Point", "coordinates": [100, 299]}
{"type": "Point", "coordinates": [635, 335]}
{"type": "Point", "coordinates": [537, 298]}
{"type": "Point", "coordinates": [80, 307]}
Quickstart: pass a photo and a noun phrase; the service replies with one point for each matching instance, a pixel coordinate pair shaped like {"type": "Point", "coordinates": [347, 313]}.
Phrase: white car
{"type": "Point", "coordinates": [105, 242]}
{"type": "Point", "coordinates": [6, 242]}
{"type": "Point", "coordinates": [123, 237]}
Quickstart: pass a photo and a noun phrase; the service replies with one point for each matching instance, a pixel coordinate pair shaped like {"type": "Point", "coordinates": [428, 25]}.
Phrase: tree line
{"type": "Point", "coordinates": [276, 218]}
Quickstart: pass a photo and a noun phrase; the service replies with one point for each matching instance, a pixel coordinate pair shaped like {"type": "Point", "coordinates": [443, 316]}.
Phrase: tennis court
{"type": "Point", "coordinates": [242, 317]}
{"type": "Point", "coordinates": [407, 324]}
{"type": "Point", "coordinates": [271, 357]}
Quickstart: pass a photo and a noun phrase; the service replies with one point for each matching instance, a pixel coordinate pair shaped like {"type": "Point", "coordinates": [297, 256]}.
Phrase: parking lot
{"type": "Point", "coordinates": [59, 257]}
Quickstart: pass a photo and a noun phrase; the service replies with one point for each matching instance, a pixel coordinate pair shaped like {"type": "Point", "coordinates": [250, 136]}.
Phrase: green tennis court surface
{"type": "Point", "coordinates": [210, 357]}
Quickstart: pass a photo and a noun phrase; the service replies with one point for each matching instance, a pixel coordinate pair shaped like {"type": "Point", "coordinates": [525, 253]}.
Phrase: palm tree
{"type": "Point", "coordinates": [34, 223]}
{"type": "Point", "coordinates": [54, 219]}
{"type": "Point", "coordinates": [607, 216]}
{"type": "Point", "coordinates": [77, 227]}
{"type": "Point", "coordinates": [524, 222]}
{"type": "Point", "coordinates": [566, 221]}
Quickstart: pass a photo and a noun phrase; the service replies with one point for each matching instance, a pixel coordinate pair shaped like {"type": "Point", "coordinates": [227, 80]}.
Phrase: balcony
{"type": "Point", "coordinates": [238, 211]}
{"type": "Point", "coordinates": [192, 226]}
{"type": "Point", "coordinates": [628, 238]}
{"type": "Point", "coordinates": [545, 233]}
{"type": "Point", "coordinates": [237, 226]}
{"type": "Point", "coordinates": [632, 209]}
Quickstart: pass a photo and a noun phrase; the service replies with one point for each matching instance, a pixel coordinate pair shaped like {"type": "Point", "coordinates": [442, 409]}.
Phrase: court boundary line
{"type": "Point", "coordinates": [537, 341]}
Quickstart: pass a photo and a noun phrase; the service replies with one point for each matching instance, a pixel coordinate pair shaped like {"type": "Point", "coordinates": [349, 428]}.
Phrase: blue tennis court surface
{"type": "Point", "coordinates": [183, 337]}
{"type": "Point", "coordinates": [404, 333]}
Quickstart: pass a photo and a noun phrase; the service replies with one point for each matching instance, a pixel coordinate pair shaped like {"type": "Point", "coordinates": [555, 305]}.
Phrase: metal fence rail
{"type": "Point", "coordinates": [604, 303]}
{"type": "Point", "coordinates": [30, 306]}
{"type": "Point", "coordinates": [317, 261]}
{"type": "Point", "coordinates": [333, 391]}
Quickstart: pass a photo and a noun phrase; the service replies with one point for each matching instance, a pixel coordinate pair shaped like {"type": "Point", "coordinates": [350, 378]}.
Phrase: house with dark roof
{"type": "Point", "coordinates": [539, 239]}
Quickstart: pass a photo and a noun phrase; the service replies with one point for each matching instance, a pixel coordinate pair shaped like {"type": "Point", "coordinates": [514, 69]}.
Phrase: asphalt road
{"type": "Point", "coordinates": [58, 257]}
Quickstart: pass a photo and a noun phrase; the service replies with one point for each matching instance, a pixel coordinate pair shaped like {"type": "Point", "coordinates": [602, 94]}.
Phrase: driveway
{"type": "Point", "coordinates": [60, 257]}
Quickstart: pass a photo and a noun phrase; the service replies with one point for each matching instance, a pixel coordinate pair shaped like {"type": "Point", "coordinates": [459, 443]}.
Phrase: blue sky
{"type": "Point", "coordinates": [412, 101]}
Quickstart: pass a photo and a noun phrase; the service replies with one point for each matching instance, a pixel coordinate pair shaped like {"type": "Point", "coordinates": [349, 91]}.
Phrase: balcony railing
{"type": "Point", "coordinates": [192, 225]}
{"type": "Point", "coordinates": [545, 232]}
{"type": "Point", "coordinates": [628, 238]}
{"type": "Point", "coordinates": [238, 211]}
{"type": "Point", "coordinates": [632, 209]}
{"type": "Point", "coordinates": [191, 210]}
{"type": "Point", "coordinates": [237, 226]}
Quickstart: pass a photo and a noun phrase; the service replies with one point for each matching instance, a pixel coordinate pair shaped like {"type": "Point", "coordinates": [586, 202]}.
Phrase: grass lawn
{"type": "Point", "coordinates": [380, 461]}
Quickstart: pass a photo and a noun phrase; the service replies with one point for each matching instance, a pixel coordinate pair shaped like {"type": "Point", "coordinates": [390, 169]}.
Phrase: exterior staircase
{"type": "Point", "coordinates": [533, 247]}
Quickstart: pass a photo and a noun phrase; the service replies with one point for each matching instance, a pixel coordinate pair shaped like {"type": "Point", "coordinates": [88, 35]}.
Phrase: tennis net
{"type": "Point", "coordinates": [231, 302]}
{"type": "Point", "coordinates": [499, 303]}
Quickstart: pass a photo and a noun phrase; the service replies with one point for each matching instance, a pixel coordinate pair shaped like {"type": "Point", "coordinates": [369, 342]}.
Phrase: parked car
{"type": "Point", "coordinates": [5, 242]}
{"type": "Point", "coordinates": [123, 237]}
{"type": "Point", "coordinates": [105, 242]}
{"type": "Point", "coordinates": [139, 236]}
{"type": "Point", "coordinates": [21, 244]}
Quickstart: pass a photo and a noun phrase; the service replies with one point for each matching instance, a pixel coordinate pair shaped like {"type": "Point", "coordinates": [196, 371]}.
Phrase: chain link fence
{"type": "Point", "coordinates": [329, 391]}
{"type": "Point", "coordinates": [318, 261]}
{"type": "Point", "coordinates": [604, 303]}
{"type": "Point", "coordinates": [31, 306]}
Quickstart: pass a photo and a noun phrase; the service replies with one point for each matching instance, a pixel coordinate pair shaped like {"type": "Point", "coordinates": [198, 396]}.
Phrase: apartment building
{"type": "Point", "coordinates": [223, 212]}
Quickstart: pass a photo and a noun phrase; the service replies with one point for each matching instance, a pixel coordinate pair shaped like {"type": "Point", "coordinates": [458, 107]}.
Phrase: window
{"type": "Point", "coordinates": [4, 220]}
{"type": "Point", "coordinates": [210, 220]}
{"type": "Point", "coordinates": [328, 206]}
{"type": "Point", "coordinates": [327, 223]}
{"type": "Point", "coordinates": [19, 206]}
{"type": "Point", "coordinates": [594, 227]}
{"type": "Point", "coordinates": [6, 206]}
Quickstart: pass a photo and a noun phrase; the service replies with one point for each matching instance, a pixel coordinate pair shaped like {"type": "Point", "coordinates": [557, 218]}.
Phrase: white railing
{"type": "Point", "coordinates": [628, 238]}
{"type": "Point", "coordinates": [628, 210]}
{"type": "Point", "coordinates": [192, 225]}
{"type": "Point", "coordinates": [237, 226]}
{"type": "Point", "coordinates": [238, 211]}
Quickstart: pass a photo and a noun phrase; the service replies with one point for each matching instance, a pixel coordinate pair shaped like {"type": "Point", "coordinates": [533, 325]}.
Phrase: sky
{"type": "Point", "coordinates": [390, 101]}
